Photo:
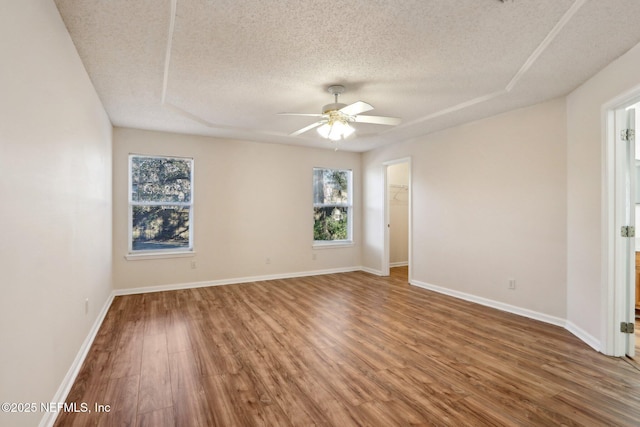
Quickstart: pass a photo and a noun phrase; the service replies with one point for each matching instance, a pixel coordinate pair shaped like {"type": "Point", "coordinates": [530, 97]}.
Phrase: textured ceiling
{"type": "Point", "coordinates": [226, 67]}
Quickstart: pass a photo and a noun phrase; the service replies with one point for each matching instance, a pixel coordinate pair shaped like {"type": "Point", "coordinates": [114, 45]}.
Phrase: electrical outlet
{"type": "Point", "coordinates": [314, 257]}
{"type": "Point", "coordinates": [512, 283]}
{"type": "Point", "coordinates": [268, 261]}
{"type": "Point", "coordinates": [193, 265]}
{"type": "Point", "coordinates": [86, 306]}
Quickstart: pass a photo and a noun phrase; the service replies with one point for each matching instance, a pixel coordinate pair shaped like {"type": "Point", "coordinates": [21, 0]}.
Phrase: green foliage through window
{"type": "Point", "coordinates": [160, 203]}
{"type": "Point", "coordinates": [331, 204]}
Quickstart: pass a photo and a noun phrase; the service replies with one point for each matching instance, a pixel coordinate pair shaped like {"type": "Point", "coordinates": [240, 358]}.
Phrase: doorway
{"type": "Point", "coordinates": [622, 211]}
{"type": "Point", "coordinates": [397, 235]}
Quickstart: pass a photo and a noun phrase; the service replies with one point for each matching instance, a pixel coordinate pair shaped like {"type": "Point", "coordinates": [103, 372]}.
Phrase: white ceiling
{"type": "Point", "coordinates": [225, 68]}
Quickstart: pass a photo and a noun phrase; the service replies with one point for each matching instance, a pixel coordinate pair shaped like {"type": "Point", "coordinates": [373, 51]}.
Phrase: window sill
{"type": "Point", "coordinates": [332, 245]}
{"type": "Point", "coordinates": [159, 255]}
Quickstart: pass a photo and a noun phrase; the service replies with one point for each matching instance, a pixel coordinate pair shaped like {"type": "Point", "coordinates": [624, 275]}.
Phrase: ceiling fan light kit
{"type": "Point", "coordinates": [336, 130]}
{"type": "Point", "coordinates": [336, 118]}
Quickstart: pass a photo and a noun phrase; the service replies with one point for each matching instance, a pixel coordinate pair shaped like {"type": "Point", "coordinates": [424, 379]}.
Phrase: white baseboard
{"type": "Point", "coordinates": [399, 264]}
{"type": "Point", "coordinates": [65, 387]}
{"type": "Point", "coordinates": [491, 303]}
{"type": "Point", "coordinates": [589, 339]}
{"type": "Point", "coordinates": [221, 282]}
{"type": "Point", "coordinates": [371, 271]}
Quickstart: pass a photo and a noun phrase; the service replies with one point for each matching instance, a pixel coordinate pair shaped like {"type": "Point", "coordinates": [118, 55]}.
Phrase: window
{"type": "Point", "coordinates": [332, 206]}
{"type": "Point", "coordinates": [160, 204]}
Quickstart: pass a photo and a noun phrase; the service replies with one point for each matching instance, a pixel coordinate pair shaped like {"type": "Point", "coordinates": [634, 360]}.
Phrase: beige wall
{"type": "Point", "coordinates": [55, 187]}
{"type": "Point", "coordinates": [586, 290]}
{"type": "Point", "coordinates": [489, 204]}
{"type": "Point", "coordinates": [253, 201]}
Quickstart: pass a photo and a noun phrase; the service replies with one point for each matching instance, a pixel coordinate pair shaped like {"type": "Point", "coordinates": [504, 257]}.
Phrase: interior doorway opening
{"type": "Point", "coordinates": [622, 211]}
{"type": "Point", "coordinates": [397, 224]}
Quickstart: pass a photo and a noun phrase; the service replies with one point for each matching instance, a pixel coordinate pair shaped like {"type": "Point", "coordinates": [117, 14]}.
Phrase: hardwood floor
{"type": "Point", "coordinates": [341, 350]}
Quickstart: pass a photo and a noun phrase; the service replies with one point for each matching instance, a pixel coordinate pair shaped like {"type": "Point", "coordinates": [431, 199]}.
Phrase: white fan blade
{"type": "Point", "coordinates": [378, 120]}
{"type": "Point", "coordinates": [304, 129]}
{"type": "Point", "coordinates": [356, 108]}
{"type": "Point", "coordinates": [300, 114]}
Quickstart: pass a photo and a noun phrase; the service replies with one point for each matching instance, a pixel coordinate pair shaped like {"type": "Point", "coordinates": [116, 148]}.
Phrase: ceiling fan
{"type": "Point", "coordinates": [336, 118]}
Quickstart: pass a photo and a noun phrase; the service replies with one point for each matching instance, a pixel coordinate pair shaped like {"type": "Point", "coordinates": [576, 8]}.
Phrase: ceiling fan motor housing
{"type": "Point", "coordinates": [332, 107]}
{"type": "Point", "coordinates": [334, 90]}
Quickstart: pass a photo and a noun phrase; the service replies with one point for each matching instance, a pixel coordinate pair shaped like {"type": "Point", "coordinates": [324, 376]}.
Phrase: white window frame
{"type": "Point", "coordinates": [159, 253]}
{"type": "Point", "coordinates": [349, 205]}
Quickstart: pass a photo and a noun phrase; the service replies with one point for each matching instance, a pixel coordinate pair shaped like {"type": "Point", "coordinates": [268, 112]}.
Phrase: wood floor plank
{"type": "Point", "coordinates": [323, 366]}
{"type": "Point", "coordinates": [158, 418]}
{"type": "Point", "coordinates": [347, 349]}
{"type": "Point", "coordinates": [155, 313]}
{"type": "Point", "coordinates": [190, 406]}
{"type": "Point", "coordinates": [177, 332]}
{"type": "Point", "coordinates": [127, 357]}
{"type": "Point", "coordinates": [92, 393]}
{"type": "Point", "coordinates": [226, 409]}
{"type": "Point", "coordinates": [122, 398]}
{"type": "Point", "coordinates": [155, 382]}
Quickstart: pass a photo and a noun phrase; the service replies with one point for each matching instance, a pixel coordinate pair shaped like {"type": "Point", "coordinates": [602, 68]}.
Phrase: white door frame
{"type": "Point", "coordinates": [385, 252]}
{"type": "Point", "coordinates": [615, 269]}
